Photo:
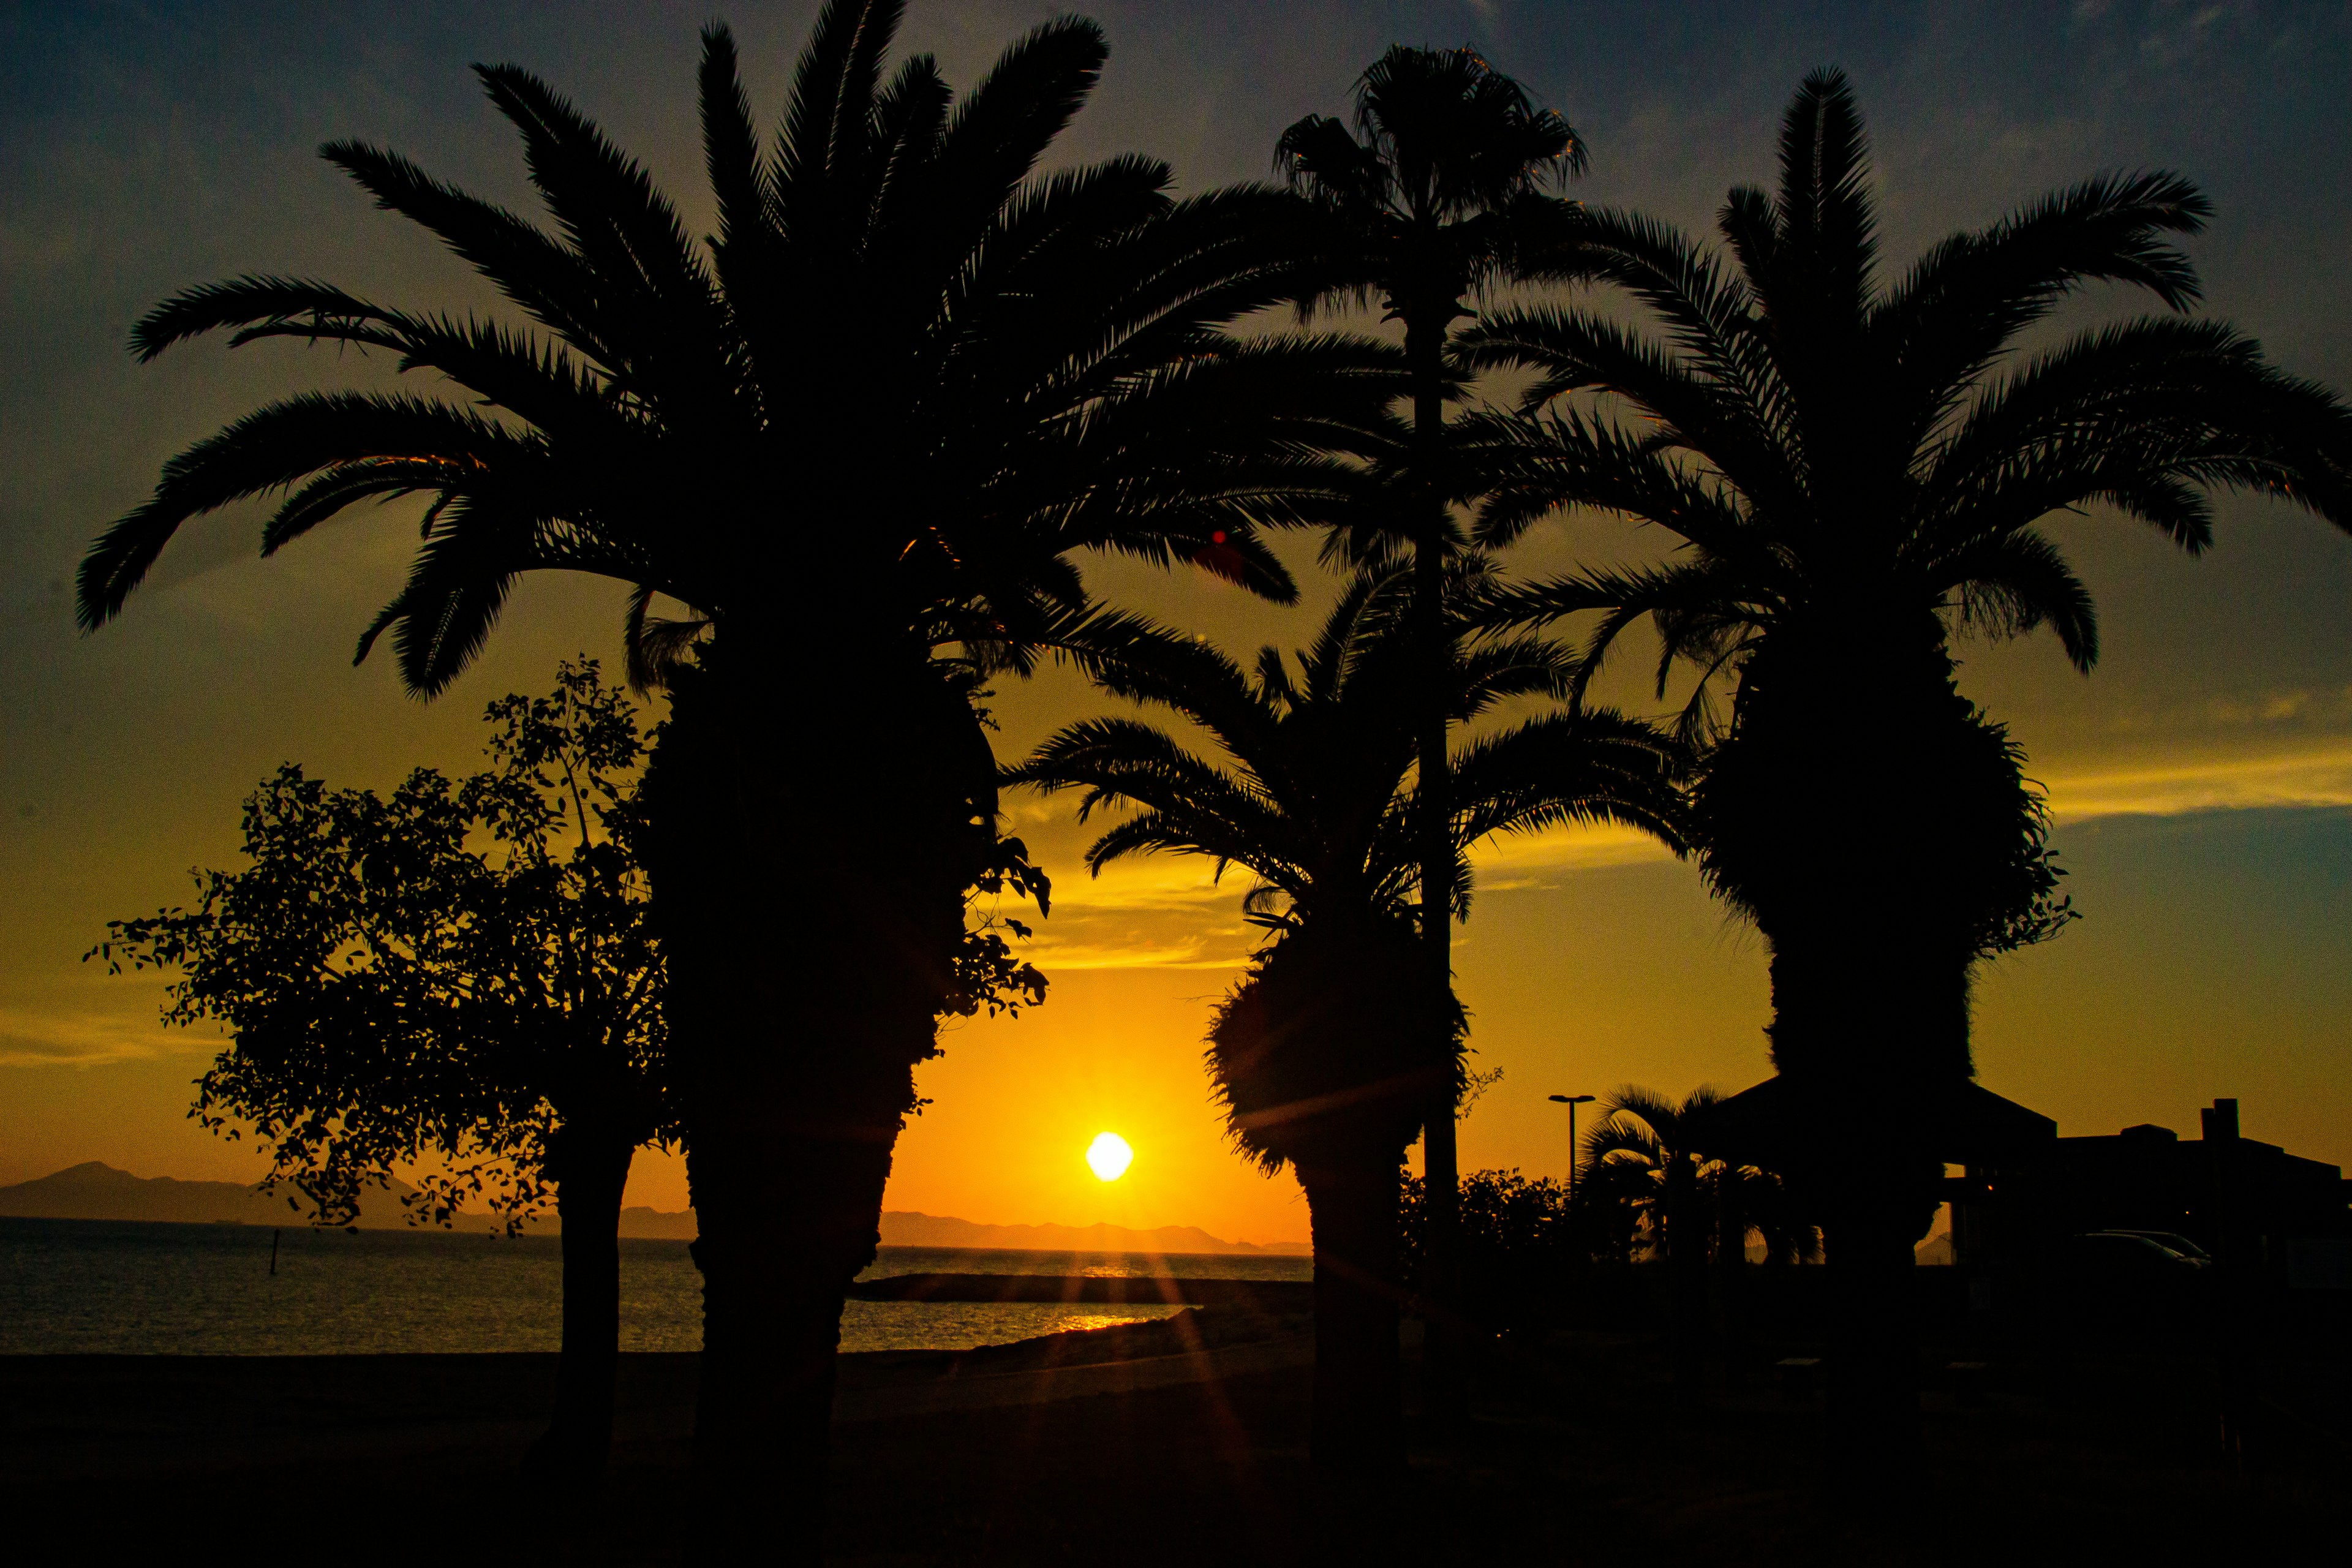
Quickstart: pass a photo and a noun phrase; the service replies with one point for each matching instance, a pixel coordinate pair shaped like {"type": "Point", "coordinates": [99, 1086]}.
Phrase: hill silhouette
{"type": "Point", "coordinates": [94, 1190]}
{"type": "Point", "coordinates": [902, 1228]}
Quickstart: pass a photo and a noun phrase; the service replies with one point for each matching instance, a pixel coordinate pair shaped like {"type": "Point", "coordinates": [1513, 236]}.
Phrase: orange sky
{"type": "Point", "coordinates": [2202, 778]}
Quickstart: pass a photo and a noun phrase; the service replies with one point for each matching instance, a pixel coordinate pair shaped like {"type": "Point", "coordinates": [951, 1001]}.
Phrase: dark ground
{"type": "Point", "coordinates": [1576, 1449]}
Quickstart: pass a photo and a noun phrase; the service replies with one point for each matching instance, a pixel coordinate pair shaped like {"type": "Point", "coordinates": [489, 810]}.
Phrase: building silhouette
{"type": "Point", "coordinates": [2251, 1206]}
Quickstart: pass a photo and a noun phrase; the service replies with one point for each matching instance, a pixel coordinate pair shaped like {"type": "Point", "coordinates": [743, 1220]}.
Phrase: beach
{"type": "Point", "coordinates": [1159, 1416]}
{"type": "Point", "coordinates": [1170, 1442]}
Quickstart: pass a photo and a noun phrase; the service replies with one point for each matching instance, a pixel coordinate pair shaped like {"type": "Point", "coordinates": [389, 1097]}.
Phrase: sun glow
{"type": "Point", "coordinates": [1110, 1156]}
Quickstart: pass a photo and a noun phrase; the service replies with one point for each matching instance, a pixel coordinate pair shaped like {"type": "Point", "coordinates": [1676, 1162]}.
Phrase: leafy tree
{"type": "Point", "coordinates": [1527, 1245]}
{"type": "Point", "coordinates": [1522, 1245]}
{"type": "Point", "coordinates": [462, 974]}
{"type": "Point", "coordinates": [1326, 1056]}
{"type": "Point", "coordinates": [1855, 474]}
{"type": "Point", "coordinates": [1434, 195]}
{"type": "Point", "coordinates": [858, 440]}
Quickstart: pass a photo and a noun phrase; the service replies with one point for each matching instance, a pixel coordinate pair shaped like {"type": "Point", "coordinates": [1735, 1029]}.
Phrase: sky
{"type": "Point", "coordinates": [2201, 779]}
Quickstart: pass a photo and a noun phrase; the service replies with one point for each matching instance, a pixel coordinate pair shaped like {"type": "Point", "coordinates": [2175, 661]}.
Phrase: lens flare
{"type": "Point", "coordinates": [1110, 1156]}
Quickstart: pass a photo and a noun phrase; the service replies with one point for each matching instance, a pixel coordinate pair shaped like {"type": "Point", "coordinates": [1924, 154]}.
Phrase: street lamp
{"type": "Point", "coordinates": [1571, 1101]}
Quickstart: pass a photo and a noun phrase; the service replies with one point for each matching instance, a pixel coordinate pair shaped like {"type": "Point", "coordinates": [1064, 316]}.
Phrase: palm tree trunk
{"type": "Point", "coordinates": [1353, 1208]}
{"type": "Point", "coordinates": [593, 1174]}
{"type": "Point", "coordinates": [1870, 982]}
{"type": "Point", "coordinates": [1685, 1276]}
{"type": "Point", "coordinates": [808, 958]}
{"type": "Point", "coordinates": [789, 1196]}
{"type": "Point", "coordinates": [1873, 1333]}
{"type": "Point", "coordinates": [1446, 1342]}
{"type": "Point", "coordinates": [1876, 1190]}
{"type": "Point", "coordinates": [1731, 1277]}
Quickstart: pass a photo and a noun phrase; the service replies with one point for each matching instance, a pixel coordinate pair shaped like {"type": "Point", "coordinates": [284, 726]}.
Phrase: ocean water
{"type": "Point", "coordinates": [122, 1287]}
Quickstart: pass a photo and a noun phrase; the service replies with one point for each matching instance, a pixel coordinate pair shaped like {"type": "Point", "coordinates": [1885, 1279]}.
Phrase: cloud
{"type": "Point", "coordinates": [1196, 935]}
{"type": "Point", "coordinates": [2317, 778]}
{"type": "Point", "coordinates": [1532, 859]}
{"type": "Point", "coordinates": [1153, 882]}
{"type": "Point", "coordinates": [1052, 956]}
{"type": "Point", "coordinates": [32, 1038]}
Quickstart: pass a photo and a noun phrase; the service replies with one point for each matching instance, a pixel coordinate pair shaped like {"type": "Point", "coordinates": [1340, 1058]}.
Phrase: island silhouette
{"type": "Point", "coordinates": [94, 1190]}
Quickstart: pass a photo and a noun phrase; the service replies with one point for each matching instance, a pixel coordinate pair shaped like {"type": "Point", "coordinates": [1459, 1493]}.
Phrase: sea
{"type": "Point", "coordinates": [122, 1286]}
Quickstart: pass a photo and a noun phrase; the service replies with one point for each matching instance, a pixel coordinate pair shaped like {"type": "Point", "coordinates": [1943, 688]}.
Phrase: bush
{"type": "Point", "coordinates": [1521, 1244]}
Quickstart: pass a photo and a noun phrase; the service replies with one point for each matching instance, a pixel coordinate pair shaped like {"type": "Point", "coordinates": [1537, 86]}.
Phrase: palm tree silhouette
{"type": "Point", "coordinates": [1327, 1055]}
{"type": "Point", "coordinates": [1655, 1134]}
{"type": "Point", "coordinates": [1651, 1136]}
{"type": "Point", "coordinates": [1855, 474]}
{"type": "Point", "coordinates": [1435, 194]}
{"type": "Point", "coordinates": [857, 441]}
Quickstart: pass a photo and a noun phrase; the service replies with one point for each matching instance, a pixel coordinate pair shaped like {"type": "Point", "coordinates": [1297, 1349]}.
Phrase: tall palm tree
{"type": "Point", "coordinates": [858, 440]}
{"type": "Point", "coordinates": [1436, 195]}
{"type": "Point", "coordinates": [1327, 1055]}
{"type": "Point", "coordinates": [1856, 474]}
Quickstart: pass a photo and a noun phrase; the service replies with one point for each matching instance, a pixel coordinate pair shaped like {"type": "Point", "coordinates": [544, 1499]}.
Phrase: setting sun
{"type": "Point", "coordinates": [1109, 1156]}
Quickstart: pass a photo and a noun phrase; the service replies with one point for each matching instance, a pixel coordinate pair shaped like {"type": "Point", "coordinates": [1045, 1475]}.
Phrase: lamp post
{"type": "Point", "coordinates": [1571, 1101]}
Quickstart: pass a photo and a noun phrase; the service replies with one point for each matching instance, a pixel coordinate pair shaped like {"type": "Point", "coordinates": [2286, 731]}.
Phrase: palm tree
{"type": "Point", "coordinates": [1855, 474]}
{"type": "Point", "coordinates": [1436, 194]}
{"type": "Point", "coordinates": [1647, 1136]}
{"type": "Point", "coordinates": [1327, 1055]}
{"type": "Point", "coordinates": [857, 441]}
{"type": "Point", "coordinates": [1655, 1157]}
{"type": "Point", "coordinates": [1749, 1200]}
{"type": "Point", "coordinates": [1653, 1134]}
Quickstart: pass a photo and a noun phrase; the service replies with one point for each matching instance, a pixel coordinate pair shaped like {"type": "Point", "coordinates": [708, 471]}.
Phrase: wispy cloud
{"type": "Point", "coordinates": [1178, 953]}
{"type": "Point", "coordinates": [2318, 777]}
{"type": "Point", "coordinates": [1532, 859]}
{"type": "Point", "coordinates": [32, 1038]}
{"type": "Point", "coordinates": [1154, 882]}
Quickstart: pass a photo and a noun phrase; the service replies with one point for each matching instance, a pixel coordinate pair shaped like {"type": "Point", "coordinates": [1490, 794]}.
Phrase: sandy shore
{"type": "Point", "coordinates": [1180, 1441]}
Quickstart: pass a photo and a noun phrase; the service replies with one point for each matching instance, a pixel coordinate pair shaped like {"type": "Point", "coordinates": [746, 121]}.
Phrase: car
{"type": "Point", "coordinates": [2125, 1257]}
{"type": "Point", "coordinates": [2106, 1285]}
{"type": "Point", "coordinates": [2171, 1241]}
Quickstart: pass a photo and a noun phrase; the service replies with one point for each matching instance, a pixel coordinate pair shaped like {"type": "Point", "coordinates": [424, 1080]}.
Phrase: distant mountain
{"type": "Point", "coordinates": [652, 1225]}
{"type": "Point", "coordinates": [905, 1229]}
{"type": "Point", "coordinates": [96, 1191]}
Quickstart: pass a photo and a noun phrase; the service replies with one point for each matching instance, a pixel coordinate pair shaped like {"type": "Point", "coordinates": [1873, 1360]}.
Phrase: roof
{"type": "Point", "coordinates": [1961, 1123]}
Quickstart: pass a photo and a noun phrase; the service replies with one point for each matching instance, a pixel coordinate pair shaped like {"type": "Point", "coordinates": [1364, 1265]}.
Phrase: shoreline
{"type": "Point", "coordinates": [1135, 1443]}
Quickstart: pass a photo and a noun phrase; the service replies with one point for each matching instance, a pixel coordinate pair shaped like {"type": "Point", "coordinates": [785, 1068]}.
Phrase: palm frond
{"type": "Point", "coordinates": [2012, 585]}
{"type": "Point", "coordinates": [1963, 304]}
{"type": "Point", "coordinates": [275, 447]}
{"type": "Point", "coordinates": [531, 267]}
{"type": "Point", "coordinates": [1590, 768]}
